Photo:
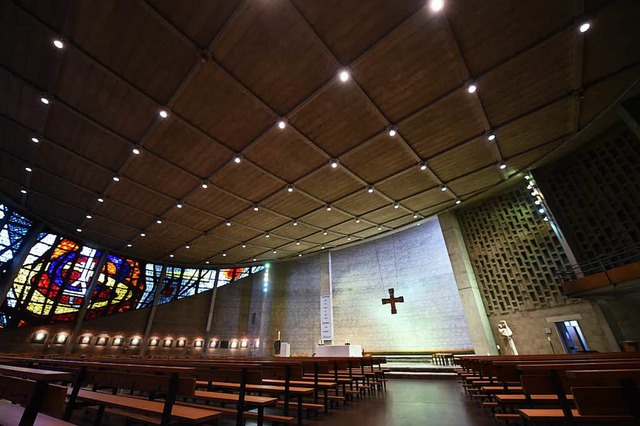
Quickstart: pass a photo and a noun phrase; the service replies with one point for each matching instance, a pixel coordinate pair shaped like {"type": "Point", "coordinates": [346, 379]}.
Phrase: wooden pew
{"type": "Point", "coordinates": [31, 387]}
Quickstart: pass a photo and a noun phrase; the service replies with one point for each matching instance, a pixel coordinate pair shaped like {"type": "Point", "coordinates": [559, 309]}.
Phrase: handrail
{"type": "Point", "coordinates": [624, 256]}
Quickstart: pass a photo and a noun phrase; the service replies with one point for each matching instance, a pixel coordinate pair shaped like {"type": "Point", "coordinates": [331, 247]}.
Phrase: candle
{"type": "Point", "coordinates": [278, 336]}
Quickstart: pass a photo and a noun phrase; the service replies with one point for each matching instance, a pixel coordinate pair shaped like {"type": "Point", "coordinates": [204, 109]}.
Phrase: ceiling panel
{"type": "Point", "coordinates": [379, 158]}
{"type": "Point", "coordinates": [329, 184]}
{"type": "Point", "coordinates": [293, 204]}
{"type": "Point", "coordinates": [428, 199]}
{"type": "Point", "coordinates": [338, 118]}
{"type": "Point", "coordinates": [131, 194]}
{"type": "Point", "coordinates": [217, 104]}
{"type": "Point", "coordinates": [412, 67]}
{"type": "Point", "coordinates": [465, 158]}
{"type": "Point", "coordinates": [480, 180]}
{"type": "Point", "coordinates": [158, 175]}
{"type": "Point", "coordinates": [407, 184]}
{"type": "Point", "coordinates": [121, 213]}
{"type": "Point", "coordinates": [217, 202]}
{"type": "Point", "coordinates": [361, 203]}
{"type": "Point", "coordinates": [271, 49]}
{"type": "Point", "coordinates": [246, 181]}
{"type": "Point", "coordinates": [321, 218]}
{"type": "Point", "coordinates": [285, 154]}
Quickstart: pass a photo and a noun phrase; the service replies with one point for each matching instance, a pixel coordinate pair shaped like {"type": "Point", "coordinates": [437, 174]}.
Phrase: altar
{"type": "Point", "coordinates": [338, 350]}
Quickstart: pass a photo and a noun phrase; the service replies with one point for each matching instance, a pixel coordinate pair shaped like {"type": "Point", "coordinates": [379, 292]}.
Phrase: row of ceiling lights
{"type": "Point", "coordinates": [344, 75]}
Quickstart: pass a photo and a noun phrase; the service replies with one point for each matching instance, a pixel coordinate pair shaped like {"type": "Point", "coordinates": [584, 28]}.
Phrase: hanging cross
{"type": "Point", "coordinates": [393, 301]}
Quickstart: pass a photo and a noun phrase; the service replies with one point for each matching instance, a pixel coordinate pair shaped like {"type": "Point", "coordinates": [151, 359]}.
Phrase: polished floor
{"type": "Point", "coordinates": [405, 403]}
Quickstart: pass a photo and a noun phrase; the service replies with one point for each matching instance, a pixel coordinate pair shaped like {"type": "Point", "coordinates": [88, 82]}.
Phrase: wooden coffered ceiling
{"type": "Point", "coordinates": [228, 71]}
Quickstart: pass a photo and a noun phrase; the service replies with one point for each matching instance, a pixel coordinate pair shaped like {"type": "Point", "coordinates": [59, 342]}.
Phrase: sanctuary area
{"type": "Point", "coordinates": [319, 212]}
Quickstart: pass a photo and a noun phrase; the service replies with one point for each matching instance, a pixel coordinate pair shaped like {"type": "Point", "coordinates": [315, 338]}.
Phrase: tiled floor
{"type": "Point", "coordinates": [405, 403]}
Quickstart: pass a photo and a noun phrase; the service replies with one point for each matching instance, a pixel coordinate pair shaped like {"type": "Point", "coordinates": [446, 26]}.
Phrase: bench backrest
{"type": "Point", "coordinates": [19, 391]}
{"type": "Point", "coordinates": [148, 383]}
{"type": "Point", "coordinates": [603, 401]}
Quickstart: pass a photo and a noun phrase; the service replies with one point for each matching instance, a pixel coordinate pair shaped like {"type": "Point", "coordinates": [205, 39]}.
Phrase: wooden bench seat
{"type": "Point", "coordinates": [556, 415]}
{"type": "Point", "coordinates": [269, 417]}
{"type": "Point", "coordinates": [10, 415]}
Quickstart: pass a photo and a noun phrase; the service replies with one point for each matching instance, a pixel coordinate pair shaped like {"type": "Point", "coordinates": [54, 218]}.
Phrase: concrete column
{"type": "Point", "coordinates": [16, 263]}
{"type": "Point", "coordinates": [474, 311]}
{"type": "Point", "coordinates": [71, 342]}
{"type": "Point", "coordinates": [152, 314]}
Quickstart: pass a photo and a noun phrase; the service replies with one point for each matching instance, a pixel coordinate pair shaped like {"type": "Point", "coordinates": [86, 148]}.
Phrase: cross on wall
{"type": "Point", "coordinates": [393, 300]}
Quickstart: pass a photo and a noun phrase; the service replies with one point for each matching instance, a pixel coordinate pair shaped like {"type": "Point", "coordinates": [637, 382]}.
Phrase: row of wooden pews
{"type": "Point", "coordinates": [199, 391]}
{"type": "Point", "coordinates": [592, 388]}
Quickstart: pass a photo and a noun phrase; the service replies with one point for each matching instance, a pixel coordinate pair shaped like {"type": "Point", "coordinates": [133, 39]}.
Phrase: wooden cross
{"type": "Point", "coordinates": [393, 301]}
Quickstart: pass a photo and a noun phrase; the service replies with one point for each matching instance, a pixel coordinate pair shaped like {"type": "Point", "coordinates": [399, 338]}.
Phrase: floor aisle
{"type": "Point", "coordinates": [405, 403]}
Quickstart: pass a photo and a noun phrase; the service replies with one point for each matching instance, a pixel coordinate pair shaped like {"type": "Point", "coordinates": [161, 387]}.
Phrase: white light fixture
{"type": "Point", "coordinates": [502, 165]}
{"type": "Point", "coordinates": [415, 215]}
{"type": "Point", "coordinates": [142, 234]}
{"type": "Point", "coordinates": [297, 243]}
{"type": "Point", "coordinates": [228, 223]}
{"type": "Point", "coordinates": [295, 223]}
{"type": "Point", "coordinates": [171, 255]}
{"type": "Point", "coordinates": [458, 201]}
{"type": "Point", "coordinates": [370, 189]}
{"type": "Point", "coordinates": [254, 259]}
{"type": "Point", "coordinates": [325, 232]}
{"type": "Point", "coordinates": [34, 139]}
{"type": "Point", "coordinates": [88, 216]}
{"type": "Point", "coordinates": [282, 124]}
{"type": "Point", "coordinates": [527, 177]}
{"type": "Point", "coordinates": [100, 200]}
{"type": "Point", "coordinates": [237, 159]}
{"type": "Point", "coordinates": [204, 184]}
{"type": "Point", "coordinates": [379, 228]}
{"type": "Point", "coordinates": [334, 163]}
{"type": "Point", "coordinates": [344, 75]}
{"type": "Point", "coordinates": [116, 178]}
{"type": "Point", "coordinates": [187, 246]}
{"type": "Point", "coordinates": [299, 254]}
{"type": "Point", "coordinates": [79, 230]}
{"type": "Point", "coordinates": [290, 188]}
{"type": "Point", "coordinates": [58, 43]}
{"type": "Point", "coordinates": [349, 238]}
{"type": "Point", "coordinates": [584, 27]}
{"type": "Point", "coordinates": [129, 245]}
{"type": "Point", "coordinates": [322, 247]}
{"type": "Point", "coordinates": [163, 113]}
{"type": "Point", "coordinates": [423, 165]}
{"type": "Point", "coordinates": [396, 206]}
{"type": "Point", "coordinates": [357, 220]}
{"type": "Point", "coordinates": [207, 262]}
{"type": "Point", "coordinates": [224, 254]}
{"type": "Point", "coordinates": [275, 251]}
{"type": "Point", "coordinates": [443, 187]}
{"type": "Point", "coordinates": [267, 235]}
{"type": "Point", "coordinates": [393, 131]}
{"type": "Point", "coordinates": [244, 245]}
{"type": "Point", "coordinates": [328, 207]}
{"type": "Point", "coordinates": [256, 207]}
{"type": "Point", "coordinates": [537, 202]}
{"type": "Point", "coordinates": [436, 5]}
{"type": "Point", "coordinates": [158, 221]}
{"type": "Point", "coordinates": [491, 136]}
{"type": "Point", "coordinates": [179, 205]}
{"type": "Point", "coordinates": [541, 211]}
{"type": "Point", "coordinates": [546, 219]}
{"type": "Point", "coordinates": [45, 100]}
{"type": "Point", "coordinates": [471, 88]}
{"type": "Point", "coordinates": [24, 191]}
{"type": "Point", "coordinates": [136, 150]}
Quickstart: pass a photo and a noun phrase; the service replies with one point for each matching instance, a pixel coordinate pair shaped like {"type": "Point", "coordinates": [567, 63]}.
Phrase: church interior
{"type": "Point", "coordinates": [319, 212]}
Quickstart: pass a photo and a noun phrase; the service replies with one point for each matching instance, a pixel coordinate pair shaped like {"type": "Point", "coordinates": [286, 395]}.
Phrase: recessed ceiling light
{"type": "Point", "coordinates": [290, 188]}
{"type": "Point", "coordinates": [396, 206]}
{"type": "Point", "coordinates": [116, 178]}
{"type": "Point", "coordinates": [491, 136]}
{"type": "Point", "coordinates": [187, 246]}
{"type": "Point", "coordinates": [136, 150]}
{"type": "Point", "coordinates": [295, 223]}
{"type": "Point", "coordinates": [228, 223]}
{"type": "Point", "coordinates": [28, 169]}
{"type": "Point", "coordinates": [416, 215]}
{"type": "Point", "coordinates": [224, 254]}
{"type": "Point", "coordinates": [423, 165]}
{"type": "Point", "coordinates": [541, 210]}
{"type": "Point", "coordinates": [275, 251]}
{"type": "Point", "coordinates": [171, 255]}
{"type": "Point", "coordinates": [325, 232]}
{"type": "Point", "coordinates": [256, 207]}
{"type": "Point", "coordinates": [163, 113]}
{"type": "Point", "coordinates": [158, 221]}
{"type": "Point", "coordinates": [458, 201]}
{"type": "Point", "coordinates": [142, 234]}
{"type": "Point", "coordinates": [357, 220]}
{"type": "Point", "coordinates": [282, 124]}
{"type": "Point", "coordinates": [322, 247]}
{"type": "Point", "coordinates": [207, 262]}
{"type": "Point", "coordinates": [584, 27]}
{"type": "Point", "coordinates": [537, 202]}
{"type": "Point", "coordinates": [45, 100]}
{"type": "Point", "coordinates": [328, 207]}
{"type": "Point", "coordinates": [244, 245]}
{"type": "Point", "coordinates": [88, 216]}
{"type": "Point", "coordinates": [334, 163]}
{"type": "Point", "coordinates": [299, 254]}
{"type": "Point", "coordinates": [443, 187]}
{"type": "Point", "coordinates": [502, 165]}
{"type": "Point", "coordinates": [78, 230]}
{"type": "Point", "coordinates": [370, 189]}
{"type": "Point", "coordinates": [58, 43]}
{"type": "Point", "coordinates": [35, 140]}
{"type": "Point", "coordinates": [379, 228]}
{"type": "Point", "coordinates": [349, 238]}
{"type": "Point", "coordinates": [179, 205]}
{"type": "Point", "coordinates": [129, 245]}
{"type": "Point", "coordinates": [100, 200]}
{"type": "Point", "coordinates": [344, 75]}
{"type": "Point", "coordinates": [436, 5]}
{"type": "Point", "coordinates": [204, 184]}
{"type": "Point", "coordinates": [472, 88]}
{"type": "Point", "coordinates": [24, 191]}
{"type": "Point", "coordinates": [297, 243]}
{"type": "Point", "coordinates": [254, 259]}
{"type": "Point", "coordinates": [237, 159]}
{"type": "Point", "coordinates": [267, 235]}
{"type": "Point", "coordinates": [546, 219]}
{"type": "Point", "coordinates": [392, 131]}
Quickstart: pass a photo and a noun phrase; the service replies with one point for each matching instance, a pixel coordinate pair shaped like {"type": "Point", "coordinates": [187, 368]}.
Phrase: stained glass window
{"type": "Point", "coordinates": [207, 280]}
{"type": "Point", "coordinates": [179, 283]}
{"type": "Point", "coordinates": [256, 269]}
{"type": "Point", "coordinates": [152, 278]}
{"type": "Point", "coordinates": [13, 228]}
{"type": "Point", "coordinates": [119, 287]}
{"type": "Point", "coordinates": [51, 284]}
{"type": "Point", "coordinates": [232, 274]}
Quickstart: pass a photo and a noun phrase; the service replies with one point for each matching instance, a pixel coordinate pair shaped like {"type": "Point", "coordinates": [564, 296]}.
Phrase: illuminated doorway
{"type": "Point", "coordinates": [571, 337]}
